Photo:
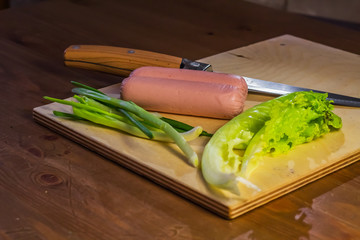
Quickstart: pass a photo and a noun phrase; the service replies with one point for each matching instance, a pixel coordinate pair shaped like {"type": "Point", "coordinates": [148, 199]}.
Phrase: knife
{"type": "Point", "coordinates": [122, 61]}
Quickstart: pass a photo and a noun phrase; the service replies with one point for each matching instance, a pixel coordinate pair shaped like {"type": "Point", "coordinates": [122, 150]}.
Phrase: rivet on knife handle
{"type": "Point", "coordinates": [116, 60]}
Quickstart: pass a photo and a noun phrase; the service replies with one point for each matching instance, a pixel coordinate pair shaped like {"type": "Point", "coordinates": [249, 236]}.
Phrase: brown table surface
{"type": "Point", "coordinates": [53, 188]}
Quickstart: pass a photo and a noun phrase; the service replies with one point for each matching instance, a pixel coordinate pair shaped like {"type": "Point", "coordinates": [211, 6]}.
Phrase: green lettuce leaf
{"type": "Point", "coordinates": [273, 127]}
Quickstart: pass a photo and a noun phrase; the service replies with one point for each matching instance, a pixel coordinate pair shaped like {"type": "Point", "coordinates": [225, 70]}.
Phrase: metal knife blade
{"type": "Point", "coordinates": [122, 61]}
{"type": "Point", "coordinates": [273, 88]}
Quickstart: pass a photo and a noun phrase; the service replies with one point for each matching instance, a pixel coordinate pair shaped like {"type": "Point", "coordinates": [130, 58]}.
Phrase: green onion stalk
{"type": "Point", "coordinates": [99, 108]}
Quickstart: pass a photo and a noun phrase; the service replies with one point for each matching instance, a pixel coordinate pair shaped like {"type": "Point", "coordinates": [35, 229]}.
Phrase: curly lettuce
{"type": "Point", "coordinates": [273, 127]}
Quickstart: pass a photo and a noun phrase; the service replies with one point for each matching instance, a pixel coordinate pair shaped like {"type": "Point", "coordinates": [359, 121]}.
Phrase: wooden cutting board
{"type": "Point", "coordinates": [285, 59]}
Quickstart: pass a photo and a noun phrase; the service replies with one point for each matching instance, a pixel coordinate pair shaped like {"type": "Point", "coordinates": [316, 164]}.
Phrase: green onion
{"type": "Point", "coordinates": [148, 117]}
{"type": "Point", "coordinates": [97, 107]}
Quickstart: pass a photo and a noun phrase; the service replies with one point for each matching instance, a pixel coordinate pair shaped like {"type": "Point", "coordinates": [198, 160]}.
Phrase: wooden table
{"type": "Point", "coordinates": [53, 188]}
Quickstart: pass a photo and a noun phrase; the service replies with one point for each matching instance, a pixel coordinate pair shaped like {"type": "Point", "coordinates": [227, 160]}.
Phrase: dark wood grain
{"type": "Point", "coordinates": [52, 188]}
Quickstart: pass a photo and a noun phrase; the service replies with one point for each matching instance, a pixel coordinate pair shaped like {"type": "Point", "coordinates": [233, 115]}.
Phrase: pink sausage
{"type": "Point", "coordinates": [174, 91]}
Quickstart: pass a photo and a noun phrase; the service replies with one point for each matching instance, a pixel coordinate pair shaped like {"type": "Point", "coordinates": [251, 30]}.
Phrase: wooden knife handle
{"type": "Point", "coordinates": [116, 60]}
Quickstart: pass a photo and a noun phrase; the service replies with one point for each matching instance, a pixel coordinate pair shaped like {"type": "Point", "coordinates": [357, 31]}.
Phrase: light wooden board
{"type": "Point", "coordinates": [285, 59]}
